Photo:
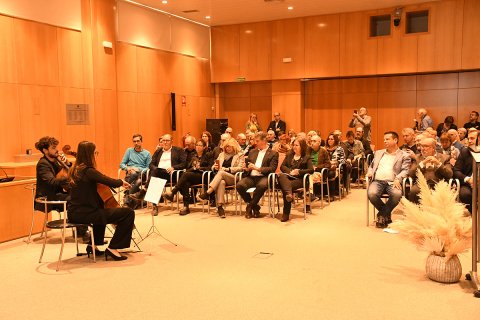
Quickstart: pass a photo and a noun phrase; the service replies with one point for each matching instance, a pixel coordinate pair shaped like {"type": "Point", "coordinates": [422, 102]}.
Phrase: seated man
{"type": "Point", "coordinates": [365, 143]}
{"type": "Point", "coordinates": [51, 183]}
{"type": "Point", "coordinates": [135, 162]}
{"type": "Point", "coordinates": [433, 165]}
{"type": "Point", "coordinates": [271, 138]}
{"type": "Point", "coordinates": [409, 138]}
{"type": "Point", "coordinates": [320, 160]}
{"type": "Point", "coordinates": [353, 152]}
{"type": "Point", "coordinates": [242, 141]}
{"type": "Point", "coordinates": [388, 168]}
{"type": "Point", "coordinates": [462, 136]}
{"type": "Point", "coordinates": [164, 161]}
{"type": "Point", "coordinates": [260, 163]}
{"type": "Point", "coordinates": [463, 171]}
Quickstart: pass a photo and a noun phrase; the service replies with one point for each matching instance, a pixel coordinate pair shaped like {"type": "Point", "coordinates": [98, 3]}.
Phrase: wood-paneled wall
{"type": "Point", "coordinates": [127, 87]}
{"type": "Point", "coordinates": [326, 105]}
{"type": "Point", "coordinates": [339, 45]}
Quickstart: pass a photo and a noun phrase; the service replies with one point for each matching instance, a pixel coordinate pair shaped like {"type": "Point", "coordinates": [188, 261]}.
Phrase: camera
{"type": "Point", "coordinates": [397, 15]}
{"type": "Point", "coordinates": [396, 21]}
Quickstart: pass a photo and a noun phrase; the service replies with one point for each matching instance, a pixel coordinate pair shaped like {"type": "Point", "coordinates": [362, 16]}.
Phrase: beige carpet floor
{"type": "Point", "coordinates": [330, 266]}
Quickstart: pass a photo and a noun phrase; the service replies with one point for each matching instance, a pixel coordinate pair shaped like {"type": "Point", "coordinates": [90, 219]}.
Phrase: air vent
{"type": "Point", "coordinates": [190, 11]}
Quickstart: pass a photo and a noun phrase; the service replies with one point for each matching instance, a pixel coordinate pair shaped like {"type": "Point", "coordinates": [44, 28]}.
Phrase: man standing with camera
{"type": "Point", "coordinates": [361, 119]}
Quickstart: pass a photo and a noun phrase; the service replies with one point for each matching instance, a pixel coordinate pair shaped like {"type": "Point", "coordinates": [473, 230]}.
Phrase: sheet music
{"type": "Point", "coordinates": [155, 190]}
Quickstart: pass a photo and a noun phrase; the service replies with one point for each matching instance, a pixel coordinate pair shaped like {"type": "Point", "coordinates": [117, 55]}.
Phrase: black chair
{"type": "Point", "coordinates": [61, 224]}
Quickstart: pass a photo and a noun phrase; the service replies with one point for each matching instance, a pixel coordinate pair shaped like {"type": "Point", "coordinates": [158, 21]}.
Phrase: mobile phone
{"type": "Point", "coordinates": [217, 162]}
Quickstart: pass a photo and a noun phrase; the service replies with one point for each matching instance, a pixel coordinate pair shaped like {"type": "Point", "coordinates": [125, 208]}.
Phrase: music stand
{"type": "Point", "coordinates": [472, 275]}
{"type": "Point", "coordinates": [154, 193]}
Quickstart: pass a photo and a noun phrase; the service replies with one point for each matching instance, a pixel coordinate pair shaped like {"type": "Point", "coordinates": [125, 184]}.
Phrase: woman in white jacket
{"type": "Point", "coordinates": [230, 161]}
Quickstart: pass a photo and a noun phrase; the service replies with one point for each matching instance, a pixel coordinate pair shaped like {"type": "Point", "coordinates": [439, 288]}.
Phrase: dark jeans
{"type": "Point", "coordinates": [375, 191]}
{"type": "Point", "coordinates": [261, 184]}
{"type": "Point", "coordinates": [135, 179]}
{"type": "Point", "coordinates": [288, 185]}
{"type": "Point", "coordinates": [186, 180]}
{"type": "Point", "coordinates": [465, 196]}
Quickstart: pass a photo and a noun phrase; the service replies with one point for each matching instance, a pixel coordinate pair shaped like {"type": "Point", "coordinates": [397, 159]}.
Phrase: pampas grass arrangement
{"type": "Point", "coordinates": [437, 224]}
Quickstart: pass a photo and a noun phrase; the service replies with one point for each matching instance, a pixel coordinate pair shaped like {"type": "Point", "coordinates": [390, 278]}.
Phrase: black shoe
{"type": "Point", "coordinates": [248, 211]}
{"type": "Point", "coordinates": [213, 204]}
{"type": "Point", "coordinates": [155, 210]}
{"type": "Point", "coordinates": [97, 252]}
{"type": "Point", "coordinates": [285, 217]}
{"type": "Point", "coordinates": [86, 237]}
{"type": "Point", "coordinates": [203, 196]}
{"type": "Point", "coordinates": [168, 196]}
{"type": "Point", "coordinates": [110, 254]}
{"type": "Point", "coordinates": [256, 211]}
{"type": "Point", "coordinates": [184, 211]}
{"type": "Point", "coordinates": [221, 212]}
{"type": "Point", "coordinates": [138, 195]}
{"type": "Point", "coordinates": [381, 222]}
{"type": "Point", "coordinates": [308, 209]}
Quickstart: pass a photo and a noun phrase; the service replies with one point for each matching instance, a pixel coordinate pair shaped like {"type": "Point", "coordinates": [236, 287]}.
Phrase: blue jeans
{"type": "Point", "coordinates": [375, 191]}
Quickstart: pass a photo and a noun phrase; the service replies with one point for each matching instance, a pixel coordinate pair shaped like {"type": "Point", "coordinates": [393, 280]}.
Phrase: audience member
{"type": "Point", "coordinates": [463, 170]}
{"type": "Point", "coordinates": [353, 153]}
{"type": "Point", "coordinates": [336, 155]}
{"type": "Point", "coordinates": [207, 137]}
{"type": "Point", "coordinates": [200, 162]}
{"type": "Point", "coordinates": [242, 140]}
{"type": "Point", "coordinates": [449, 149]}
{"type": "Point", "coordinates": [424, 121]}
{"type": "Point", "coordinates": [365, 143]}
{"type": "Point", "coordinates": [277, 125]}
{"type": "Point", "coordinates": [409, 138]}
{"type": "Point", "coordinates": [455, 139]}
{"type": "Point", "coordinates": [462, 136]}
{"type": "Point", "coordinates": [361, 119]}
{"type": "Point", "coordinates": [320, 160]}
{"type": "Point", "coordinates": [135, 163]}
{"type": "Point", "coordinates": [282, 147]}
{"type": "Point", "coordinates": [433, 165]}
{"type": "Point", "coordinates": [296, 165]}
{"type": "Point", "coordinates": [271, 139]}
{"type": "Point", "coordinates": [446, 126]}
{"type": "Point", "coordinates": [473, 121]}
{"type": "Point", "coordinates": [229, 162]}
{"type": "Point", "coordinates": [389, 167]}
{"type": "Point", "coordinates": [164, 162]}
{"type": "Point", "coordinates": [260, 162]}
{"type": "Point", "coordinates": [252, 124]}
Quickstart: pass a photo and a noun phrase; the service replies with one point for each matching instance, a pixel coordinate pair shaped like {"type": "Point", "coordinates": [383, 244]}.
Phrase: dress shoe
{"type": "Point", "coordinates": [381, 222]}
{"type": "Point", "coordinates": [155, 210]}
{"type": "Point", "coordinates": [256, 211]}
{"type": "Point", "coordinates": [138, 195]}
{"type": "Point", "coordinates": [248, 211]}
{"type": "Point", "coordinates": [110, 254]}
{"type": "Point", "coordinates": [289, 197]}
{"type": "Point", "coordinates": [221, 212]}
{"type": "Point", "coordinates": [86, 237]}
{"type": "Point", "coordinates": [97, 252]}
{"type": "Point", "coordinates": [285, 217]}
{"type": "Point", "coordinates": [184, 211]}
{"type": "Point", "coordinates": [203, 196]}
{"type": "Point", "coordinates": [169, 196]}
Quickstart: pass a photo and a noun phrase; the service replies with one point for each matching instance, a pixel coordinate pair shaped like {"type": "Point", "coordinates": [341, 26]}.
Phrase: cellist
{"type": "Point", "coordinates": [86, 205]}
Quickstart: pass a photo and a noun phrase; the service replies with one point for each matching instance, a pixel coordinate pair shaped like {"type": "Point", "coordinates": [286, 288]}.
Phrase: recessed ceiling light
{"type": "Point", "coordinates": [290, 8]}
{"type": "Point", "coordinates": [321, 25]}
{"type": "Point", "coordinates": [207, 17]}
{"type": "Point", "coordinates": [164, 1]}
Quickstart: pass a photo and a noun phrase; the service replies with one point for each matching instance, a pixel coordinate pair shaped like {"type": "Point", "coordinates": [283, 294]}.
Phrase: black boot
{"type": "Point", "coordinates": [285, 217]}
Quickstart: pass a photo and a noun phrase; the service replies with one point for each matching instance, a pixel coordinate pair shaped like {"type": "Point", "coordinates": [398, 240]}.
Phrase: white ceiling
{"type": "Point", "coordinates": [224, 12]}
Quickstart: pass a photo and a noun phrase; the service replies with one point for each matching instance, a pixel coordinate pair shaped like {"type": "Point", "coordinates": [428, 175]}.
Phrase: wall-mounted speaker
{"type": "Point", "coordinates": [174, 118]}
{"type": "Point", "coordinates": [216, 127]}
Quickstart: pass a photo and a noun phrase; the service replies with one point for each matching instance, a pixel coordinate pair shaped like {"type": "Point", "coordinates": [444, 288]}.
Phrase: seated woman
{"type": "Point", "coordinates": [207, 137]}
{"type": "Point", "coordinates": [337, 156]}
{"type": "Point", "coordinates": [297, 163]}
{"type": "Point", "coordinates": [86, 206]}
{"type": "Point", "coordinates": [229, 162]}
{"type": "Point", "coordinates": [202, 161]}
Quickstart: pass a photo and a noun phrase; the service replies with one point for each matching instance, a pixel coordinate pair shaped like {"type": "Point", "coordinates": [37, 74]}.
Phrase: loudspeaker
{"type": "Point", "coordinates": [174, 118]}
{"type": "Point", "coordinates": [216, 127]}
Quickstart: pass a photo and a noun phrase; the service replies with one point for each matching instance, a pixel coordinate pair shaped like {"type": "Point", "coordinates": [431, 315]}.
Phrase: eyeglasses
{"type": "Point", "coordinates": [199, 145]}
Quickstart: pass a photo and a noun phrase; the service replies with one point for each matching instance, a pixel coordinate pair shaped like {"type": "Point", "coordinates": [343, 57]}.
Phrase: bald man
{"type": "Point", "coordinates": [423, 121]}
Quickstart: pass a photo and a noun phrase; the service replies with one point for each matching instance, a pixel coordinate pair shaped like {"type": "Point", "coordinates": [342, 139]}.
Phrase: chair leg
{"type": "Point", "coordinates": [61, 249]}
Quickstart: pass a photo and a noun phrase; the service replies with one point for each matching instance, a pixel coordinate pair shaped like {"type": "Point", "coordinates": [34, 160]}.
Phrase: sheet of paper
{"type": "Point", "coordinates": [155, 190]}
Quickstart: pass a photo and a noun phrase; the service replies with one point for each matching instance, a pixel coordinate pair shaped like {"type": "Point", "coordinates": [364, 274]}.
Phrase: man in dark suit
{"type": "Point", "coordinates": [164, 161]}
{"type": "Point", "coordinates": [463, 171]}
{"type": "Point", "coordinates": [277, 125]}
{"type": "Point", "coordinates": [260, 163]}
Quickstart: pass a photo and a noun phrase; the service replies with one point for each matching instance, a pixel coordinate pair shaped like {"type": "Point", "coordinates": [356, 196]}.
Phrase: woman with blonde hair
{"type": "Point", "coordinates": [252, 124]}
{"type": "Point", "coordinates": [229, 162]}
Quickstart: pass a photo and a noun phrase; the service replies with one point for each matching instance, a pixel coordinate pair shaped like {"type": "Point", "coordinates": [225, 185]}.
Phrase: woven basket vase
{"type": "Point", "coordinates": [440, 270]}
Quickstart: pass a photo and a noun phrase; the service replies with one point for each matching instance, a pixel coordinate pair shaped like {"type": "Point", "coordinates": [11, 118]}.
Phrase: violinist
{"type": "Point", "coordinates": [50, 183]}
{"type": "Point", "coordinates": [86, 205]}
